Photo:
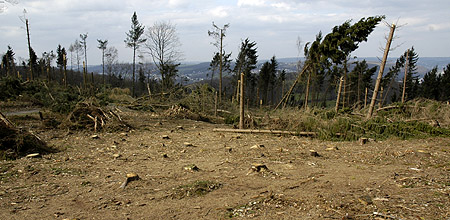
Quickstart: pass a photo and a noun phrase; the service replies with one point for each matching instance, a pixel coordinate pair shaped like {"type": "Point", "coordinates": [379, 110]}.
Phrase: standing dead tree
{"type": "Point", "coordinates": [218, 34]}
{"type": "Point", "coordinates": [380, 73]}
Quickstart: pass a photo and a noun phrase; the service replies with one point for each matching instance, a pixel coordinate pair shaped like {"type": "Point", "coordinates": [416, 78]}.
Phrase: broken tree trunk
{"type": "Point", "coordinates": [286, 96]}
{"type": "Point", "coordinates": [404, 78]}
{"type": "Point", "coordinates": [380, 73]}
{"type": "Point", "coordinates": [307, 90]}
{"type": "Point", "coordinates": [7, 122]}
{"type": "Point", "coordinates": [341, 81]}
{"type": "Point", "coordinates": [241, 103]}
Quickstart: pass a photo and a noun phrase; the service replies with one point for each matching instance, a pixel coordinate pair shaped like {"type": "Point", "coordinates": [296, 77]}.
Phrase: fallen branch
{"type": "Point", "coordinates": [95, 121]}
{"type": "Point", "coordinates": [7, 122]}
{"type": "Point", "coordinates": [265, 131]}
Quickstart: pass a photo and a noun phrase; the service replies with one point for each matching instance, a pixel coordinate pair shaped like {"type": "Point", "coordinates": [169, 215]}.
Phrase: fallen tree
{"type": "Point", "coordinates": [16, 142]}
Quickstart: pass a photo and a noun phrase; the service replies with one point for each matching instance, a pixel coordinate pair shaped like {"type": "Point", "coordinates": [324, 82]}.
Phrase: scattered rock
{"type": "Point", "coordinates": [35, 155]}
{"type": "Point", "coordinates": [130, 177]}
{"type": "Point", "coordinates": [365, 200]}
{"type": "Point", "coordinates": [165, 156]}
{"type": "Point", "coordinates": [332, 148]}
{"type": "Point", "coordinates": [116, 156]}
{"type": "Point", "coordinates": [95, 136]}
{"type": "Point", "coordinates": [258, 167]}
{"type": "Point", "coordinates": [381, 199]}
{"type": "Point", "coordinates": [180, 127]}
{"type": "Point", "coordinates": [314, 153]}
{"type": "Point", "coordinates": [229, 149]}
{"type": "Point", "coordinates": [256, 146]}
{"type": "Point", "coordinates": [187, 144]}
{"type": "Point", "coordinates": [165, 137]}
{"type": "Point", "coordinates": [192, 168]}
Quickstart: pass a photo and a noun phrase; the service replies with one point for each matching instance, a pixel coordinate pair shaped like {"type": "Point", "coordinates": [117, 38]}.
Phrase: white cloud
{"type": "Point", "coordinates": [219, 12]}
{"type": "Point", "coordinates": [251, 3]}
{"type": "Point", "coordinates": [273, 24]}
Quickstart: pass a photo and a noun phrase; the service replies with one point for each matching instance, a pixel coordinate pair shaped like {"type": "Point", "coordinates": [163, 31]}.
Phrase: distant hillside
{"type": "Point", "coordinates": [196, 72]}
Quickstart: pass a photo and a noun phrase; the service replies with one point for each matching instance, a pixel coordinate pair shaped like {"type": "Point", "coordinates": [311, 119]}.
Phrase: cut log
{"type": "Point", "coordinates": [265, 131]}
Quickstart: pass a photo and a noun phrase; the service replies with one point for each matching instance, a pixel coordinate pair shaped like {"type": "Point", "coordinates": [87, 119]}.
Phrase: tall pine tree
{"type": "Point", "coordinates": [134, 40]}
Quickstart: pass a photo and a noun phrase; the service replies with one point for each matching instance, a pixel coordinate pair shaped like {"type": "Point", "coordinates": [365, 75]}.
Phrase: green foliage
{"type": "Point", "coordinates": [54, 97]}
{"type": "Point", "coordinates": [10, 88]}
{"type": "Point", "coordinates": [200, 100]}
{"type": "Point", "coordinates": [430, 85]}
{"type": "Point", "coordinates": [403, 121]}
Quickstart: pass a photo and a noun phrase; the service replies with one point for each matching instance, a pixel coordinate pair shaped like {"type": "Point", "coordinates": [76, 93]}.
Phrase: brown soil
{"type": "Point", "coordinates": [195, 173]}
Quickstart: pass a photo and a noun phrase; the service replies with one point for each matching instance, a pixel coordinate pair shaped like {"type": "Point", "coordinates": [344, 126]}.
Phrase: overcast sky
{"type": "Point", "coordinates": [274, 25]}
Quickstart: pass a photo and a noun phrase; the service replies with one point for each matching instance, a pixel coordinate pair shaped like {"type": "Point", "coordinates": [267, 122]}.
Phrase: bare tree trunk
{"type": "Point", "coordinates": [286, 96]}
{"type": "Point", "coordinates": [241, 104]}
{"type": "Point", "coordinates": [380, 102]}
{"type": "Point", "coordinates": [404, 78]}
{"type": "Point", "coordinates": [29, 49]}
{"type": "Point", "coordinates": [220, 65]}
{"type": "Point", "coordinates": [380, 73]}
{"type": "Point", "coordinates": [359, 90]}
{"type": "Point", "coordinates": [341, 81]}
{"type": "Point", "coordinates": [215, 105]}
{"type": "Point", "coordinates": [65, 70]}
{"type": "Point", "coordinates": [365, 97]}
{"type": "Point", "coordinates": [307, 90]}
{"type": "Point", "coordinates": [84, 75]}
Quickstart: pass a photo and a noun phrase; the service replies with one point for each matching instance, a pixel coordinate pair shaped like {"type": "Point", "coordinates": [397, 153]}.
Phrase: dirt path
{"type": "Point", "coordinates": [392, 179]}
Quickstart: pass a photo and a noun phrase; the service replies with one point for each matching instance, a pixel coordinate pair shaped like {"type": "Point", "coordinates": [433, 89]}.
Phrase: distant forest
{"type": "Point", "coordinates": [327, 69]}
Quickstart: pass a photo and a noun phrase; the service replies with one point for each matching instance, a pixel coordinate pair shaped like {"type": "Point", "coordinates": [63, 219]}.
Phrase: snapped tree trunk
{"type": "Point", "coordinates": [338, 98]}
{"type": "Point", "coordinates": [241, 104]}
{"type": "Point", "coordinates": [29, 50]}
{"type": "Point", "coordinates": [307, 90]}
{"type": "Point", "coordinates": [404, 78]}
{"type": "Point", "coordinates": [380, 73]}
{"type": "Point", "coordinates": [286, 96]}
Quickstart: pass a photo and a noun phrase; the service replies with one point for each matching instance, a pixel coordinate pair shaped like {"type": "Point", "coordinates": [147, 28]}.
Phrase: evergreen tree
{"type": "Point", "coordinates": [267, 79]}
{"type": "Point", "coordinates": [359, 79]}
{"type": "Point", "coordinates": [344, 39]}
{"type": "Point", "coordinates": [33, 62]}
{"type": "Point", "coordinates": [60, 61]}
{"type": "Point", "coordinates": [215, 64]}
{"type": "Point", "coordinates": [8, 64]}
{"type": "Point", "coordinates": [430, 85]}
{"type": "Point", "coordinates": [412, 80]}
{"type": "Point", "coordinates": [134, 40]}
{"type": "Point", "coordinates": [171, 71]}
{"type": "Point", "coordinates": [141, 78]}
{"type": "Point", "coordinates": [445, 84]}
{"type": "Point", "coordinates": [245, 63]}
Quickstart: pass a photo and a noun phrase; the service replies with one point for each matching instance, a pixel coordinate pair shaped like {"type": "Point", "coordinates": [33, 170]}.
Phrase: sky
{"type": "Point", "coordinates": [275, 25]}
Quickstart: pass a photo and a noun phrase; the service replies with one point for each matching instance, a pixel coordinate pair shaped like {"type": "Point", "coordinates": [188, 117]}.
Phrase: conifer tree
{"type": "Point", "coordinates": [445, 84]}
{"type": "Point", "coordinates": [429, 88]}
{"type": "Point", "coordinates": [134, 40]}
{"type": "Point", "coordinates": [245, 63]}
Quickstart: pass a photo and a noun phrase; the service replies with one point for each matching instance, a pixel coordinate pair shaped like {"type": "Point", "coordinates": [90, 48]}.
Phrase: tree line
{"type": "Point", "coordinates": [327, 70]}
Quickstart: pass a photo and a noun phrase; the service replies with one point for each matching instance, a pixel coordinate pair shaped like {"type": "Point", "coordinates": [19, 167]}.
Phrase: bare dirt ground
{"type": "Point", "coordinates": [187, 171]}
